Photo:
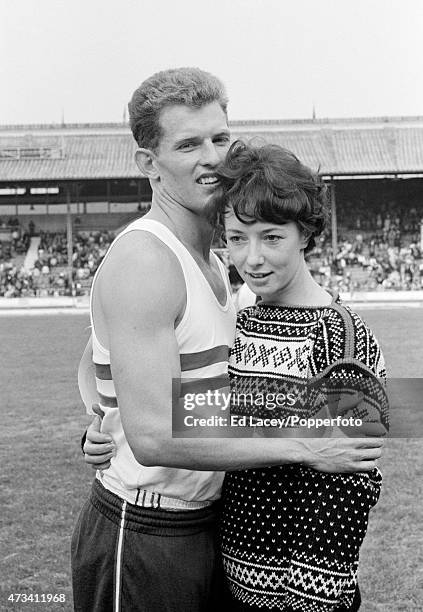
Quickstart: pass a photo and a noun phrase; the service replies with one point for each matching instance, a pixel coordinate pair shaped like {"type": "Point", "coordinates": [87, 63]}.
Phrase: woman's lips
{"type": "Point", "coordinates": [258, 277]}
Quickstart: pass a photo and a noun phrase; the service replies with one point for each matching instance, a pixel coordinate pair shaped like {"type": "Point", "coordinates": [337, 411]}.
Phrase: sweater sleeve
{"type": "Point", "coordinates": [346, 359]}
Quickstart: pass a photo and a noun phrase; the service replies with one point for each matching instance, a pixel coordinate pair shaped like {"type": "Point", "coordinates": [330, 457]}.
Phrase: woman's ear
{"type": "Point", "coordinates": [145, 160]}
{"type": "Point", "coordinates": [305, 238]}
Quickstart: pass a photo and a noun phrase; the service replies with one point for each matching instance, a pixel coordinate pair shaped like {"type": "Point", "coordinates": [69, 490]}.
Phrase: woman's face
{"type": "Point", "coordinates": [269, 257]}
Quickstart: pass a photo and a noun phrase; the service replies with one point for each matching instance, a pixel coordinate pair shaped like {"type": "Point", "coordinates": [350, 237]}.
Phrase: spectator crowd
{"type": "Point", "coordinates": [370, 264]}
{"type": "Point", "coordinates": [378, 249]}
{"type": "Point", "coordinates": [49, 275]}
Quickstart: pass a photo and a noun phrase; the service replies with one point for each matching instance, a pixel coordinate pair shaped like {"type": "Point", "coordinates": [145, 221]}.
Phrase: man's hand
{"type": "Point", "coordinates": [343, 454]}
{"type": "Point", "coordinates": [99, 447]}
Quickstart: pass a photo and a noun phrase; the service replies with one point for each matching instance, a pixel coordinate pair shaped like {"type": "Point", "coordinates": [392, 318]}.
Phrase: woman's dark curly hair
{"type": "Point", "coordinates": [269, 183]}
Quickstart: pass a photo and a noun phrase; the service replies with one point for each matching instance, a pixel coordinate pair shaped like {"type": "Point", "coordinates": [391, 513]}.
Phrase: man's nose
{"type": "Point", "coordinates": [209, 154]}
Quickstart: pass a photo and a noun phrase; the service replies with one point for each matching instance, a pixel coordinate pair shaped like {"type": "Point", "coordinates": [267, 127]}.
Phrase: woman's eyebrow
{"type": "Point", "coordinates": [276, 228]}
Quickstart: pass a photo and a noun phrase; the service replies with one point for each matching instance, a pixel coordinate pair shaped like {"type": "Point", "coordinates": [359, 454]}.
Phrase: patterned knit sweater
{"type": "Point", "coordinates": [291, 535]}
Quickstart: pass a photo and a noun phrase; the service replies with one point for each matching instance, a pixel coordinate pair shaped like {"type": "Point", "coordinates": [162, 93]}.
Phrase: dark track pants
{"type": "Point", "coordinates": [127, 558]}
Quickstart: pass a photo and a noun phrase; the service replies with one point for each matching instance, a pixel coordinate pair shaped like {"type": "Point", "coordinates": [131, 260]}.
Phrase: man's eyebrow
{"type": "Point", "coordinates": [222, 135]}
{"type": "Point", "coordinates": [186, 139]}
{"type": "Point", "coordinates": [196, 138]}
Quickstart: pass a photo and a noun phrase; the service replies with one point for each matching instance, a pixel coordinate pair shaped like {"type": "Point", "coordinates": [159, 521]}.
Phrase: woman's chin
{"type": "Point", "coordinates": [252, 287]}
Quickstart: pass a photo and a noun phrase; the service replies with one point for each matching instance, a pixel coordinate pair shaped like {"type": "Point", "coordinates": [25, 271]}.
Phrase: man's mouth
{"type": "Point", "coordinates": [207, 179]}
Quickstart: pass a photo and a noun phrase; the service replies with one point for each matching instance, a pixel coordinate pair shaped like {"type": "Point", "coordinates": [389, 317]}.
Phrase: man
{"type": "Point", "coordinates": [161, 312]}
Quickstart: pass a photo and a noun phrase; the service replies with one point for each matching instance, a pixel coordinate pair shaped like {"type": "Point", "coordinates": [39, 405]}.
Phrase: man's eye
{"type": "Point", "coordinates": [222, 140]}
{"type": "Point", "coordinates": [187, 145]}
{"type": "Point", "coordinates": [235, 239]}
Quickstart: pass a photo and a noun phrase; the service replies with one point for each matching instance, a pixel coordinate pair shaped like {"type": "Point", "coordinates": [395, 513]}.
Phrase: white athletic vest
{"type": "Point", "coordinates": [204, 336]}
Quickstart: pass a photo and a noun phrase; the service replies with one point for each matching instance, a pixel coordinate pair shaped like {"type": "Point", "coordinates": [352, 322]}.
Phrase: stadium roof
{"type": "Point", "coordinates": [339, 147]}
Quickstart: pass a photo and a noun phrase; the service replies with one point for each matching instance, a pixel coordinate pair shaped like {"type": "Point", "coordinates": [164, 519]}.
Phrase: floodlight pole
{"type": "Point", "coordinates": [69, 235]}
{"type": "Point", "coordinates": [333, 219]}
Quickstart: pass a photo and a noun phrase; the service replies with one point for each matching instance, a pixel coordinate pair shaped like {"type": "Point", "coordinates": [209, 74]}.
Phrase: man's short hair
{"type": "Point", "coordinates": [269, 183]}
{"type": "Point", "coordinates": [178, 86]}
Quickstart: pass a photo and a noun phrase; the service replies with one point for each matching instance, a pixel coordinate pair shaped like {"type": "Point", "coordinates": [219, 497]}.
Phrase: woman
{"type": "Point", "coordinates": [290, 535]}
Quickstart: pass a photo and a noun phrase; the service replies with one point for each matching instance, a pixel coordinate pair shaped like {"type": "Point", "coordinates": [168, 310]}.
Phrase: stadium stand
{"type": "Point", "coordinates": [80, 183]}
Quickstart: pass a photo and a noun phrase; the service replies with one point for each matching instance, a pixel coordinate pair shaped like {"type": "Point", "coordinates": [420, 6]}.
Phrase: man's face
{"type": "Point", "coordinates": [194, 142]}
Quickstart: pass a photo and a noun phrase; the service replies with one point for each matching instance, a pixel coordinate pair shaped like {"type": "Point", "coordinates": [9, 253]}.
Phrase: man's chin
{"type": "Point", "coordinates": [208, 211]}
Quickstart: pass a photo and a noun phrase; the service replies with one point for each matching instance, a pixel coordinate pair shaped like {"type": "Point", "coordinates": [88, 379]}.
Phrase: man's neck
{"type": "Point", "coordinates": [193, 231]}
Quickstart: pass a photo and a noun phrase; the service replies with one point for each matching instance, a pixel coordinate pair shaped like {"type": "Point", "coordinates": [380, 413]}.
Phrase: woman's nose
{"type": "Point", "coordinates": [255, 256]}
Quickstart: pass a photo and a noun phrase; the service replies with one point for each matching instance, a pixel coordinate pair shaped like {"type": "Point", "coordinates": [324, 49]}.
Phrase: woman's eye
{"type": "Point", "coordinates": [235, 239]}
{"type": "Point", "coordinates": [273, 238]}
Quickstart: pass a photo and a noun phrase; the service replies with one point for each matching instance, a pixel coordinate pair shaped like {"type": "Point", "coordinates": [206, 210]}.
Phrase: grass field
{"type": "Point", "coordinates": [44, 481]}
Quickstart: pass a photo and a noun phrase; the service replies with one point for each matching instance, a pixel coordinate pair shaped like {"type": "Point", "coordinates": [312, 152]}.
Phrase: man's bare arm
{"type": "Point", "coordinates": [86, 378]}
{"type": "Point", "coordinates": [99, 448]}
{"type": "Point", "coordinates": [140, 311]}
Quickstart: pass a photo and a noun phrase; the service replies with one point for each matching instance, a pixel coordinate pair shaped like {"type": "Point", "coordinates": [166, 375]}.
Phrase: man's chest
{"type": "Point", "coordinates": [213, 277]}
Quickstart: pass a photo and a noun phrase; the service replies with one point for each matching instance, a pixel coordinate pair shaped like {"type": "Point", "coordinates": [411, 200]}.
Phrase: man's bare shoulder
{"type": "Point", "coordinates": [143, 248]}
{"type": "Point", "coordinates": [141, 272]}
